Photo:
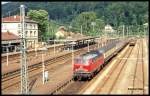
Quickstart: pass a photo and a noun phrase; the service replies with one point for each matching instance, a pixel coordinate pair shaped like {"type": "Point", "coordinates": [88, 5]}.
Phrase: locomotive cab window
{"type": "Point", "coordinates": [87, 57]}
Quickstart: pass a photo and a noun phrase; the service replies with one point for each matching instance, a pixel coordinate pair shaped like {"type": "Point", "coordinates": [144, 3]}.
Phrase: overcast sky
{"type": "Point", "coordinates": [4, 2]}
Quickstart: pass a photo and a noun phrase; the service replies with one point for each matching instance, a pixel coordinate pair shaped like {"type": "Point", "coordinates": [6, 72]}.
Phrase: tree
{"type": "Point", "coordinates": [100, 24]}
{"type": "Point", "coordinates": [41, 16]}
{"type": "Point", "coordinates": [113, 13]}
{"type": "Point", "coordinates": [84, 19]}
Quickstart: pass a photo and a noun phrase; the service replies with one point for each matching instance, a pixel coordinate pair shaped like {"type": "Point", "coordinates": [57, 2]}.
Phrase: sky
{"type": "Point", "coordinates": [3, 2]}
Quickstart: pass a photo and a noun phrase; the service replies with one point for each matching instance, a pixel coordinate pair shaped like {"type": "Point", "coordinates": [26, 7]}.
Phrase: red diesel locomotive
{"type": "Point", "coordinates": [88, 64]}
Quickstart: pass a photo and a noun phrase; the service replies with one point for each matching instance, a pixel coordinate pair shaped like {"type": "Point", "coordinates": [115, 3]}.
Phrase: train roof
{"type": "Point", "coordinates": [91, 54]}
{"type": "Point", "coordinates": [107, 47]}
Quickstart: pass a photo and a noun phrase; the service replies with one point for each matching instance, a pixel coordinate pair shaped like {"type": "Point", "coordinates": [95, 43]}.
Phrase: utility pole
{"type": "Point", "coordinates": [9, 13]}
{"type": "Point", "coordinates": [93, 24]}
{"type": "Point", "coordinates": [131, 31]}
{"type": "Point", "coordinates": [123, 31]}
{"type": "Point", "coordinates": [127, 31]}
{"type": "Point", "coordinates": [48, 24]}
{"type": "Point", "coordinates": [81, 29]}
{"type": "Point", "coordinates": [7, 55]}
{"type": "Point", "coordinates": [24, 67]}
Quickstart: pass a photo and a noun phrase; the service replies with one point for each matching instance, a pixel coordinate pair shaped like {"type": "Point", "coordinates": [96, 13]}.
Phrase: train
{"type": "Point", "coordinates": [90, 63]}
{"type": "Point", "coordinates": [132, 42]}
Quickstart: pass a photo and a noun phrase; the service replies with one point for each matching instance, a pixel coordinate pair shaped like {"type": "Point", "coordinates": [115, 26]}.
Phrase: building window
{"type": "Point", "coordinates": [30, 33]}
{"type": "Point", "coordinates": [26, 25]}
{"type": "Point", "coordinates": [19, 32]}
{"type": "Point", "coordinates": [4, 26]}
{"type": "Point", "coordinates": [34, 33]}
{"type": "Point", "coordinates": [26, 33]}
{"type": "Point", "coordinates": [31, 26]}
{"type": "Point", "coordinates": [19, 25]}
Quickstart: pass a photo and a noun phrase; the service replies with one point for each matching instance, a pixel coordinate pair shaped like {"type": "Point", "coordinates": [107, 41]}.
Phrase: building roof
{"type": "Point", "coordinates": [16, 19]}
{"type": "Point", "coordinates": [9, 36]}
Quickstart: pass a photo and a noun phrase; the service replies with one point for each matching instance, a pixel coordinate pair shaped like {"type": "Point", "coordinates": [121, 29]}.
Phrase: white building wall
{"type": "Point", "coordinates": [11, 27]}
{"type": "Point", "coordinates": [31, 31]}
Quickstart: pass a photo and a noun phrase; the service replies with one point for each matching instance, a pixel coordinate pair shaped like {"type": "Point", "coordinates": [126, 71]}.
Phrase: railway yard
{"type": "Point", "coordinates": [125, 73]}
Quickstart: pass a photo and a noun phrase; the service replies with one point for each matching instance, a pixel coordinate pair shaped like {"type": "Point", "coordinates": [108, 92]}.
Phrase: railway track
{"type": "Point", "coordinates": [138, 82]}
{"type": "Point", "coordinates": [30, 55]}
{"type": "Point", "coordinates": [143, 69]}
{"type": "Point", "coordinates": [35, 68]}
{"type": "Point", "coordinates": [16, 78]}
{"type": "Point", "coordinates": [122, 67]}
{"type": "Point", "coordinates": [109, 79]}
{"type": "Point", "coordinates": [48, 62]}
{"type": "Point", "coordinates": [71, 87]}
{"type": "Point", "coordinates": [114, 74]}
{"type": "Point", "coordinates": [38, 61]}
{"type": "Point", "coordinates": [85, 89]}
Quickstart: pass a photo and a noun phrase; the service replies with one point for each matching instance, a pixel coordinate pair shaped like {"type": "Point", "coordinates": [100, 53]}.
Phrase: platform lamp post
{"type": "Point", "coordinates": [81, 29]}
{"type": "Point", "coordinates": [35, 51]}
{"type": "Point", "coordinates": [44, 49]}
{"type": "Point", "coordinates": [7, 55]}
{"type": "Point", "coordinates": [98, 41]}
{"type": "Point", "coordinates": [123, 31]}
{"type": "Point", "coordinates": [54, 47]}
{"type": "Point", "coordinates": [7, 52]}
{"type": "Point", "coordinates": [88, 45]}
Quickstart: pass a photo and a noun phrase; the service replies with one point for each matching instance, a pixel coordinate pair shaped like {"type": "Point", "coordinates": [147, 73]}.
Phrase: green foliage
{"type": "Point", "coordinates": [83, 13]}
{"type": "Point", "coordinates": [41, 16]}
{"type": "Point", "coordinates": [84, 19]}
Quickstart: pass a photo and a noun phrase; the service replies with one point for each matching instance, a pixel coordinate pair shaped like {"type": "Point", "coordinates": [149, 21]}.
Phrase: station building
{"type": "Point", "coordinates": [10, 42]}
{"type": "Point", "coordinates": [13, 24]}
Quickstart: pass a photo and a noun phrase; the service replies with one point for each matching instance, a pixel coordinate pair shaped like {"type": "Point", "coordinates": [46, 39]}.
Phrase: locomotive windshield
{"type": "Point", "coordinates": [87, 57]}
{"type": "Point", "coordinates": [84, 59]}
